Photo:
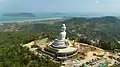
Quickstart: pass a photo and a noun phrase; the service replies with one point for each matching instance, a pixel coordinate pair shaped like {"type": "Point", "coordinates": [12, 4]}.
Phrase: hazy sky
{"type": "Point", "coordinates": [60, 6]}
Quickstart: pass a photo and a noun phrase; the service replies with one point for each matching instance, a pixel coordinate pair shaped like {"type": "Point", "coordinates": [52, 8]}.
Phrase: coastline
{"type": "Point", "coordinates": [31, 20]}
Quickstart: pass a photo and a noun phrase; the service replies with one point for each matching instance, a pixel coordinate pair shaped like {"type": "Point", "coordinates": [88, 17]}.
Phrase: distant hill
{"type": "Point", "coordinates": [19, 15]}
{"type": "Point", "coordinates": [107, 27]}
{"type": "Point", "coordinates": [93, 28]}
{"type": "Point", "coordinates": [105, 19]}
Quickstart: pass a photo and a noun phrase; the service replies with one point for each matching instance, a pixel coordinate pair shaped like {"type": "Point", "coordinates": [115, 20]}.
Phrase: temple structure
{"type": "Point", "coordinates": [60, 48]}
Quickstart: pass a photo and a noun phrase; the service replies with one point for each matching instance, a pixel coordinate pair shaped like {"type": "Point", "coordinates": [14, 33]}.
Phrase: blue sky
{"type": "Point", "coordinates": [109, 6]}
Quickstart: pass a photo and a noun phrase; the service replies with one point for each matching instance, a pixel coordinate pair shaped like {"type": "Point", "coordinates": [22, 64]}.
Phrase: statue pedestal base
{"type": "Point", "coordinates": [60, 44]}
{"type": "Point", "coordinates": [61, 49]}
{"type": "Point", "coordinates": [66, 52]}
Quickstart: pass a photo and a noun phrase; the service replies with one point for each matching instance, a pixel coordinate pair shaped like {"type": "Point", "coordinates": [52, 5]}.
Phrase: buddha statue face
{"type": "Point", "coordinates": [63, 28]}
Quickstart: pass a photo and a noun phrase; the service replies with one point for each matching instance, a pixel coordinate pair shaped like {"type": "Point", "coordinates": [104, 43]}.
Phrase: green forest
{"type": "Point", "coordinates": [13, 55]}
{"type": "Point", "coordinates": [104, 29]}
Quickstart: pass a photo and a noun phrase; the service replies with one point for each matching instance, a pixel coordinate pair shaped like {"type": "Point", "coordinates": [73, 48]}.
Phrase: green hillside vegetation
{"type": "Point", "coordinates": [13, 55]}
{"type": "Point", "coordinates": [102, 29]}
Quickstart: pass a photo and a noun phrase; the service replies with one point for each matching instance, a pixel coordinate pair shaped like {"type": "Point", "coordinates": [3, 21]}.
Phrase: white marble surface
{"type": "Point", "coordinates": [61, 41]}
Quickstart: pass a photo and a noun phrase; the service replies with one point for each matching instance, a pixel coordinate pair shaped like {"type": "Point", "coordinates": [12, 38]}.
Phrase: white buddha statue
{"type": "Point", "coordinates": [62, 34]}
{"type": "Point", "coordinates": [61, 42]}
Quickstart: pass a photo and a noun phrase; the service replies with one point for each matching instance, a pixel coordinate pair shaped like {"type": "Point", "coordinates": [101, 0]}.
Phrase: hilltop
{"type": "Point", "coordinates": [92, 30]}
{"type": "Point", "coordinates": [102, 32]}
{"type": "Point", "coordinates": [19, 15]}
{"type": "Point", "coordinates": [106, 28]}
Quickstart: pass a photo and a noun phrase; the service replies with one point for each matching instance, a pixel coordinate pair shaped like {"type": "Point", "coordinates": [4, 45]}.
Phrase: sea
{"type": "Point", "coordinates": [40, 16]}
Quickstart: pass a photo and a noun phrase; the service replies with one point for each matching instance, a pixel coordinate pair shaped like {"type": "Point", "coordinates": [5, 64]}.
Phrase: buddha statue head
{"type": "Point", "coordinates": [63, 27]}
